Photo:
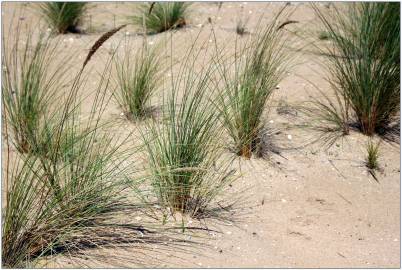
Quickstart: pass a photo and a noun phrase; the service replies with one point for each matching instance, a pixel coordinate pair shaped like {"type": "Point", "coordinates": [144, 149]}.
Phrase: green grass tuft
{"type": "Point", "coordinates": [30, 86]}
{"type": "Point", "coordinates": [63, 17]}
{"type": "Point", "coordinates": [158, 17]}
{"type": "Point", "coordinates": [137, 78]}
{"type": "Point", "coordinates": [364, 61]}
{"type": "Point", "coordinates": [372, 155]}
{"type": "Point", "coordinates": [58, 200]}
{"type": "Point", "coordinates": [184, 151]}
{"type": "Point", "coordinates": [258, 68]}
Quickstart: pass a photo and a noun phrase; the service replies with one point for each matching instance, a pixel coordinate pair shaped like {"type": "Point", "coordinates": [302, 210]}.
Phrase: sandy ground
{"type": "Point", "coordinates": [307, 207]}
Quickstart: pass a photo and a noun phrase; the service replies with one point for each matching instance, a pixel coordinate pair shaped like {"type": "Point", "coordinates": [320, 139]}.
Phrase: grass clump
{"type": "Point", "coordinates": [157, 17]}
{"type": "Point", "coordinates": [184, 148]}
{"type": "Point", "coordinates": [63, 17]}
{"type": "Point", "coordinates": [29, 86]}
{"type": "Point", "coordinates": [258, 68]}
{"type": "Point", "coordinates": [64, 200]}
{"type": "Point", "coordinates": [137, 79]}
{"type": "Point", "coordinates": [372, 155]}
{"type": "Point", "coordinates": [241, 26]}
{"type": "Point", "coordinates": [49, 204]}
{"type": "Point", "coordinates": [241, 23]}
{"type": "Point", "coordinates": [364, 62]}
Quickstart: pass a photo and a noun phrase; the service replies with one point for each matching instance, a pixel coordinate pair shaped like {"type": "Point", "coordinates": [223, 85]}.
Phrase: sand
{"type": "Point", "coordinates": [307, 207]}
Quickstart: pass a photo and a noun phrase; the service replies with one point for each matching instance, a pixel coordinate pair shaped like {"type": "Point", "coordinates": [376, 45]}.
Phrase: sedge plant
{"type": "Point", "coordinates": [241, 26]}
{"type": "Point", "coordinates": [157, 17]}
{"type": "Point", "coordinates": [64, 201]}
{"type": "Point", "coordinates": [186, 170]}
{"type": "Point", "coordinates": [241, 23]}
{"type": "Point", "coordinates": [248, 84]}
{"type": "Point", "coordinates": [63, 17]}
{"type": "Point", "coordinates": [137, 79]}
{"type": "Point", "coordinates": [30, 84]}
{"type": "Point", "coordinates": [372, 155]}
{"type": "Point", "coordinates": [363, 59]}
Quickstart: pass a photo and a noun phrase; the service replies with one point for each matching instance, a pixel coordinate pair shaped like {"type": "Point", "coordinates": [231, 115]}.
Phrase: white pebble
{"type": "Point", "coordinates": [122, 114]}
{"type": "Point", "coordinates": [127, 33]}
{"type": "Point", "coordinates": [151, 43]}
{"type": "Point", "coordinates": [229, 232]}
{"type": "Point", "coordinates": [277, 87]}
{"type": "Point", "coordinates": [71, 39]}
{"type": "Point", "coordinates": [289, 137]}
{"type": "Point", "coordinates": [271, 121]}
{"type": "Point", "coordinates": [210, 40]}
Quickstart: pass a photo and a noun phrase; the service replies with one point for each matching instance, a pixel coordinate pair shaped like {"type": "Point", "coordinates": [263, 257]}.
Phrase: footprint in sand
{"type": "Point", "coordinates": [298, 234]}
{"type": "Point", "coordinates": [304, 219]}
{"type": "Point", "coordinates": [321, 204]}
